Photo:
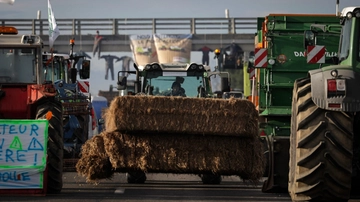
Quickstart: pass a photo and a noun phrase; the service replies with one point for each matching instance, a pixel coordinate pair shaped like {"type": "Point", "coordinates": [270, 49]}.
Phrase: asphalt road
{"type": "Point", "coordinates": [158, 187]}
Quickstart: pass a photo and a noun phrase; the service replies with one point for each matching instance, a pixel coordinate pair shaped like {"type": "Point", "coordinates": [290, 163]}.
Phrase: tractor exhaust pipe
{"type": "Point", "coordinates": [337, 8]}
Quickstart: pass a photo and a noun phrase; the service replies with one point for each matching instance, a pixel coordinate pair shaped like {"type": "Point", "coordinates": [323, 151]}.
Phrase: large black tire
{"type": "Point", "coordinates": [55, 145]}
{"type": "Point", "coordinates": [136, 177]}
{"type": "Point", "coordinates": [321, 151]}
{"type": "Point", "coordinates": [355, 182]}
{"type": "Point", "coordinates": [298, 84]}
{"type": "Point", "coordinates": [211, 178]}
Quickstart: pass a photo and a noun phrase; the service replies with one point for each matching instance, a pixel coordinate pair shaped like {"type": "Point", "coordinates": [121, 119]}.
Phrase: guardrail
{"type": "Point", "coordinates": [137, 26]}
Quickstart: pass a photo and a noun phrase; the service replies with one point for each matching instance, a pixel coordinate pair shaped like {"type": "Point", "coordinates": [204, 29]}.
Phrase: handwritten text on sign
{"type": "Point", "coordinates": [23, 146]}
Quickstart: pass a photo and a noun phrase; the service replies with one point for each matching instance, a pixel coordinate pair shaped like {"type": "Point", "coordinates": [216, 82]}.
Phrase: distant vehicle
{"type": "Point", "coordinates": [93, 123]}
{"type": "Point", "coordinates": [99, 104]}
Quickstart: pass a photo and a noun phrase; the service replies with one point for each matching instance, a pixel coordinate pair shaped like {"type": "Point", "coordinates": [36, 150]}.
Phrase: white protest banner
{"type": "Point", "coordinates": [11, 2]}
{"type": "Point", "coordinates": [53, 28]}
{"type": "Point", "coordinates": [23, 146]}
{"type": "Point", "coordinates": [173, 47]}
{"type": "Point", "coordinates": [143, 49]}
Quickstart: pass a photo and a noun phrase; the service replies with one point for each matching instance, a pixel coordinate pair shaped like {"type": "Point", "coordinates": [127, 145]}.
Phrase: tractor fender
{"type": "Point", "coordinates": [350, 102]}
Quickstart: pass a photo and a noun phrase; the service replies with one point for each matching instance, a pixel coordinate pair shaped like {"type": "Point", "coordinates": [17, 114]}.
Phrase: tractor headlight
{"type": "Point", "coordinates": [334, 73]}
{"type": "Point", "coordinates": [193, 66]}
{"type": "Point", "coordinates": [147, 67]}
{"type": "Point", "coordinates": [156, 66]}
{"type": "Point", "coordinates": [357, 14]}
{"type": "Point", "coordinates": [349, 15]}
{"type": "Point", "coordinates": [271, 61]}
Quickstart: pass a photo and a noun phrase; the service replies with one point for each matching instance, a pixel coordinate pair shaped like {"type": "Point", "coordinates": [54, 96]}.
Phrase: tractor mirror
{"type": "Point", "coordinates": [225, 84]}
{"type": "Point", "coordinates": [85, 69]}
{"type": "Point", "coordinates": [122, 82]}
{"type": "Point", "coordinates": [309, 38]}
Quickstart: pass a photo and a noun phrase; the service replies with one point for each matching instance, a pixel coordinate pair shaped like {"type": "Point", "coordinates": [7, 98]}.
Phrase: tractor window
{"type": "Point", "coordinates": [53, 71]}
{"type": "Point", "coordinates": [345, 40]}
{"type": "Point", "coordinates": [17, 65]}
{"type": "Point", "coordinates": [161, 85]}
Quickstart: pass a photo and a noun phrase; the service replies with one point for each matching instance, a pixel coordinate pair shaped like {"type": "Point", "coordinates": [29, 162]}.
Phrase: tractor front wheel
{"type": "Point", "coordinates": [55, 144]}
{"type": "Point", "coordinates": [321, 146]}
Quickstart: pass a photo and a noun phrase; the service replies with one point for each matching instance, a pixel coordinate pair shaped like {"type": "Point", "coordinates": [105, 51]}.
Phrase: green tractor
{"type": "Point", "coordinates": [324, 142]}
{"type": "Point", "coordinates": [175, 79]}
{"type": "Point", "coordinates": [308, 103]}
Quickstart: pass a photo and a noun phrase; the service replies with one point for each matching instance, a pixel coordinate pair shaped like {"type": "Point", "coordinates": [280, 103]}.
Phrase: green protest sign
{"type": "Point", "coordinates": [23, 151]}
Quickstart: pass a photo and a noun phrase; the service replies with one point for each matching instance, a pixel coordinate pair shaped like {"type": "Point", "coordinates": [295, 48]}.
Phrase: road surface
{"type": "Point", "coordinates": [158, 187]}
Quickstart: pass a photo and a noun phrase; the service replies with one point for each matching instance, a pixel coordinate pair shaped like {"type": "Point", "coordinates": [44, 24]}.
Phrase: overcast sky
{"type": "Point", "coordinates": [70, 9]}
{"type": "Point", "coordinates": [167, 8]}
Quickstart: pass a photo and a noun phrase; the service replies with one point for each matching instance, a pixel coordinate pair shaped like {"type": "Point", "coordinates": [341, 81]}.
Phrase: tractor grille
{"type": "Point", "coordinates": [75, 108]}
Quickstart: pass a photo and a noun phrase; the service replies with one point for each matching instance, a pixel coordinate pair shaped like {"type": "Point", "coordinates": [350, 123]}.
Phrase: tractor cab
{"type": "Point", "coordinates": [174, 79]}
{"type": "Point", "coordinates": [20, 63]}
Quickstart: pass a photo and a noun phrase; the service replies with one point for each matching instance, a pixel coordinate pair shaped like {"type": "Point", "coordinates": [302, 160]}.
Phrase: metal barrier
{"type": "Point", "coordinates": [137, 26]}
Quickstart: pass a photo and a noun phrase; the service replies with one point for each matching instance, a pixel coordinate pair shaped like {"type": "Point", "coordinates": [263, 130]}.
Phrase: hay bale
{"type": "Point", "coordinates": [94, 164]}
{"type": "Point", "coordinates": [162, 114]}
{"type": "Point", "coordinates": [94, 147]}
{"type": "Point", "coordinates": [192, 154]}
{"type": "Point", "coordinates": [94, 168]}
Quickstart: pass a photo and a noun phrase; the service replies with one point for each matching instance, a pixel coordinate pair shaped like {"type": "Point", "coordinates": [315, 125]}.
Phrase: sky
{"type": "Point", "coordinates": [95, 9]}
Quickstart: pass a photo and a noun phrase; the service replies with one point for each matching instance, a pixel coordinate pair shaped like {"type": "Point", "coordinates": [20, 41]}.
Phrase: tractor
{"type": "Point", "coordinates": [78, 117]}
{"type": "Point", "coordinates": [307, 70]}
{"type": "Point", "coordinates": [26, 94]}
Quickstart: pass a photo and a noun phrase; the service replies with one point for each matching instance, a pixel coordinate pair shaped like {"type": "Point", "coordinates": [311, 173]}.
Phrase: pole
{"type": "Point", "coordinates": [38, 14]}
{"type": "Point", "coordinates": [52, 66]}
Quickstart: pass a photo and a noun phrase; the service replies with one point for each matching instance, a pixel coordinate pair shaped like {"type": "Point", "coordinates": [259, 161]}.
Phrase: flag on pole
{"type": "Point", "coordinates": [11, 2]}
{"type": "Point", "coordinates": [53, 28]}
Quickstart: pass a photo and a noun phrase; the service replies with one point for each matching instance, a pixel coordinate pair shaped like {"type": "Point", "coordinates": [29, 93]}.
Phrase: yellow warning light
{"type": "Point", "coordinates": [8, 30]}
{"type": "Point", "coordinates": [72, 41]}
{"type": "Point", "coordinates": [217, 52]}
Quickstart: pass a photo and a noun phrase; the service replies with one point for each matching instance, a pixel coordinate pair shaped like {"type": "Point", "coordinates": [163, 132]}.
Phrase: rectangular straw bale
{"type": "Point", "coordinates": [193, 154]}
{"type": "Point", "coordinates": [163, 114]}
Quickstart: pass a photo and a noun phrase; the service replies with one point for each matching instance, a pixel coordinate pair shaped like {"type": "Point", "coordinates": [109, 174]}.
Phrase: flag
{"type": "Point", "coordinates": [11, 2]}
{"type": "Point", "coordinates": [53, 28]}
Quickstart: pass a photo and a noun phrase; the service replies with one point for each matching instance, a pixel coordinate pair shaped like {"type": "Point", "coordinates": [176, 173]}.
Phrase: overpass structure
{"type": "Point", "coordinates": [211, 32]}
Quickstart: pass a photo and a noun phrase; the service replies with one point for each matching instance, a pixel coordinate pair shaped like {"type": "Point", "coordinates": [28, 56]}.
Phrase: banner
{"type": "Point", "coordinates": [173, 47]}
{"type": "Point", "coordinates": [53, 28]}
{"type": "Point", "coordinates": [23, 146]}
{"type": "Point", "coordinates": [11, 2]}
{"type": "Point", "coordinates": [143, 49]}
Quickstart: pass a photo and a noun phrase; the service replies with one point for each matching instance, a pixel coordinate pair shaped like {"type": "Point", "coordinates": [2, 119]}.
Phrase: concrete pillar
{"type": "Point", "coordinates": [38, 17]}
{"type": "Point", "coordinates": [33, 27]}
{"type": "Point", "coordinates": [73, 25]}
{"type": "Point", "coordinates": [41, 27]}
{"type": "Point", "coordinates": [154, 25]}
{"type": "Point", "coordinates": [115, 27]}
{"type": "Point", "coordinates": [79, 27]}
{"type": "Point", "coordinates": [193, 26]}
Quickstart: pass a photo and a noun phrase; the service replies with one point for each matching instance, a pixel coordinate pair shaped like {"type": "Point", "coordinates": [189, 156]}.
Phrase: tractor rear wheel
{"type": "Point", "coordinates": [321, 151]}
{"type": "Point", "coordinates": [55, 144]}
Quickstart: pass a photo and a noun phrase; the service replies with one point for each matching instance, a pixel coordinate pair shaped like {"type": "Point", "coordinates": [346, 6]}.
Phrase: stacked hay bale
{"type": "Point", "coordinates": [176, 135]}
